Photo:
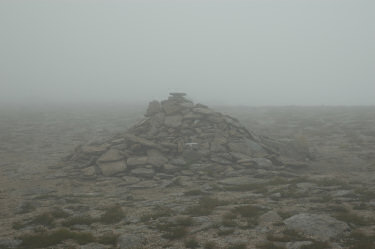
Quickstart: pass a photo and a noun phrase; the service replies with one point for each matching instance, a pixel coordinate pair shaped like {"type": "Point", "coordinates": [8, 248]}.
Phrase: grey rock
{"type": "Point", "coordinates": [142, 141]}
{"type": "Point", "coordinates": [191, 156]}
{"type": "Point", "coordinates": [171, 107]}
{"type": "Point", "coordinates": [89, 172]}
{"type": "Point", "coordinates": [94, 149]}
{"type": "Point", "coordinates": [9, 243]}
{"type": "Point", "coordinates": [156, 158]}
{"type": "Point", "coordinates": [128, 180]}
{"type": "Point", "coordinates": [319, 226]}
{"type": "Point", "coordinates": [270, 217]}
{"type": "Point", "coordinates": [153, 108]}
{"type": "Point", "coordinates": [169, 168]}
{"type": "Point", "coordinates": [143, 172]}
{"type": "Point", "coordinates": [240, 180]}
{"type": "Point", "coordinates": [136, 161]}
{"type": "Point", "coordinates": [204, 111]}
{"type": "Point", "coordinates": [111, 156]}
{"type": "Point", "coordinates": [130, 241]}
{"type": "Point", "coordinates": [178, 161]}
{"type": "Point", "coordinates": [177, 94]}
{"type": "Point", "coordinates": [297, 244]}
{"type": "Point", "coordinates": [173, 121]}
{"type": "Point", "coordinates": [94, 246]}
{"type": "Point", "coordinates": [144, 184]}
{"type": "Point", "coordinates": [112, 168]}
{"type": "Point", "coordinates": [263, 162]}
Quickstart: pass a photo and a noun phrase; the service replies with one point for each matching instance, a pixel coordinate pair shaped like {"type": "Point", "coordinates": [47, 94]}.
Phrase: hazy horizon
{"type": "Point", "coordinates": [256, 53]}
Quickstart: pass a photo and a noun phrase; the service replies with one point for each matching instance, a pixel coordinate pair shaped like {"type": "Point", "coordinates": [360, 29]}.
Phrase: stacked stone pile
{"type": "Point", "coordinates": [175, 134]}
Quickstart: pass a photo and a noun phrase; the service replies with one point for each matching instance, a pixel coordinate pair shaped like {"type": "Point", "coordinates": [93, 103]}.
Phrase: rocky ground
{"type": "Point", "coordinates": [326, 202]}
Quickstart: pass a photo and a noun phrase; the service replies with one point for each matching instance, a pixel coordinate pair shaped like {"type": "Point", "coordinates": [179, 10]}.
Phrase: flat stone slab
{"type": "Point", "coordinates": [112, 168]}
{"type": "Point", "coordinates": [240, 180]}
{"type": "Point", "coordinates": [111, 156]}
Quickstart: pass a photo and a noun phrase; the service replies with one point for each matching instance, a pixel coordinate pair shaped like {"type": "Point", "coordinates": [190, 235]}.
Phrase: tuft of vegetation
{"type": "Point", "coordinates": [191, 243]}
{"type": "Point", "coordinates": [205, 206]}
{"type": "Point", "coordinates": [194, 192]}
{"type": "Point", "coordinates": [44, 219]}
{"type": "Point", "coordinates": [176, 229]}
{"type": "Point", "coordinates": [59, 213]}
{"type": "Point", "coordinates": [248, 211]}
{"type": "Point", "coordinates": [79, 220]}
{"type": "Point", "coordinates": [237, 246]}
{"type": "Point", "coordinates": [225, 232]}
{"type": "Point", "coordinates": [287, 236]}
{"type": "Point", "coordinates": [228, 219]}
{"type": "Point", "coordinates": [317, 245]}
{"type": "Point", "coordinates": [26, 207]}
{"type": "Point", "coordinates": [184, 221]}
{"type": "Point", "coordinates": [108, 239]}
{"type": "Point", "coordinates": [43, 240]}
{"type": "Point", "coordinates": [173, 232]}
{"type": "Point", "coordinates": [112, 214]}
{"type": "Point", "coordinates": [17, 225]}
{"type": "Point", "coordinates": [353, 219]}
{"type": "Point", "coordinates": [358, 240]}
{"type": "Point", "coordinates": [157, 213]}
{"type": "Point", "coordinates": [255, 187]}
{"type": "Point", "coordinates": [210, 245]}
{"type": "Point", "coordinates": [268, 245]}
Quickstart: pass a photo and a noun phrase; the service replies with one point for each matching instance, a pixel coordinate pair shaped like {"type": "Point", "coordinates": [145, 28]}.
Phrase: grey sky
{"type": "Point", "coordinates": [259, 52]}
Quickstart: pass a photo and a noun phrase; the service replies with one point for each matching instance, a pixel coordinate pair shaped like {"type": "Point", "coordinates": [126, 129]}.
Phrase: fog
{"type": "Point", "coordinates": [261, 52]}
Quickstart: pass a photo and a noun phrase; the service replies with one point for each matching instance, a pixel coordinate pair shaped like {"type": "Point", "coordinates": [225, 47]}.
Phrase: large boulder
{"type": "Point", "coordinates": [319, 226]}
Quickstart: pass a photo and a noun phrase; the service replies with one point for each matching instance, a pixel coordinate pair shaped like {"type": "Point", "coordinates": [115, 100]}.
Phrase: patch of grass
{"type": "Point", "coordinates": [237, 246]}
{"type": "Point", "coordinates": [157, 213]}
{"type": "Point", "coordinates": [254, 187]}
{"type": "Point", "coordinates": [354, 219]}
{"type": "Point", "coordinates": [79, 220]}
{"type": "Point", "coordinates": [44, 219]}
{"type": "Point", "coordinates": [176, 229]}
{"type": "Point", "coordinates": [43, 240]}
{"type": "Point", "coordinates": [108, 239]}
{"type": "Point", "coordinates": [59, 213]}
{"type": "Point", "coordinates": [228, 219]}
{"type": "Point", "coordinates": [285, 214]}
{"type": "Point", "coordinates": [358, 240]}
{"type": "Point", "coordinates": [287, 236]}
{"type": "Point", "coordinates": [184, 221]}
{"type": "Point", "coordinates": [317, 245]}
{"type": "Point", "coordinates": [205, 206]}
{"type": "Point", "coordinates": [210, 245]}
{"type": "Point", "coordinates": [225, 232]}
{"type": "Point", "coordinates": [268, 245]}
{"type": "Point", "coordinates": [174, 232]}
{"type": "Point", "coordinates": [45, 197]}
{"type": "Point", "coordinates": [248, 211]}
{"type": "Point", "coordinates": [327, 182]}
{"type": "Point", "coordinates": [18, 225]}
{"type": "Point", "coordinates": [112, 214]}
{"type": "Point", "coordinates": [191, 243]}
{"type": "Point", "coordinates": [365, 195]}
{"type": "Point", "coordinates": [26, 207]}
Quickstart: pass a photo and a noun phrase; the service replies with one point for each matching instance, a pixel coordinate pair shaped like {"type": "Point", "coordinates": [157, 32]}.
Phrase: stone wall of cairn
{"type": "Point", "coordinates": [175, 134]}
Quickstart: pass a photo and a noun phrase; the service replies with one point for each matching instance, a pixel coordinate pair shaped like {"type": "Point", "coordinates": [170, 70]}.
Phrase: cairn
{"type": "Point", "coordinates": [174, 135]}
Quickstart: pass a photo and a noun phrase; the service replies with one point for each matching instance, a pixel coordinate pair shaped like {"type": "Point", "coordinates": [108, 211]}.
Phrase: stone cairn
{"type": "Point", "coordinates": [175, 135]}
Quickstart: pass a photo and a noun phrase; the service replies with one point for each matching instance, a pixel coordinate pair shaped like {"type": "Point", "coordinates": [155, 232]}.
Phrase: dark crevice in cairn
{"type": "Point", "coordinates": [175, 135]}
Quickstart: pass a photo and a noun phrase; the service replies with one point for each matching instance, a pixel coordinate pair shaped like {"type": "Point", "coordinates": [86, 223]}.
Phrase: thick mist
{"type": "Point", "coordinates": [257, 52]}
